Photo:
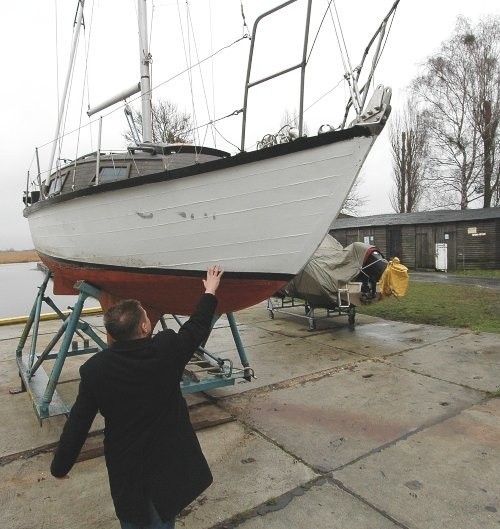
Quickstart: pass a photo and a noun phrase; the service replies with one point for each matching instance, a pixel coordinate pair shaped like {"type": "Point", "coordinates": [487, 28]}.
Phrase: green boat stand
{"type": "Point", "coordinates": [205, 371]}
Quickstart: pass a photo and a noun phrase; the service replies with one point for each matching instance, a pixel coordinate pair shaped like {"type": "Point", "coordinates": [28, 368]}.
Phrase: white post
{"type": "Point", "coordinates": [145, 59]}
{"type": "Point", "coordinates": [62, 104]}
{"type": "Point", "coordinates": [39, 177]}
{"type": "Point", "coordinates": [98, 161]}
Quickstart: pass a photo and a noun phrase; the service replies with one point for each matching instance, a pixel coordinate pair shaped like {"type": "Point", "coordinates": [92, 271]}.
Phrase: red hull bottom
{"type": "Point", "coordinates": [160, 293]}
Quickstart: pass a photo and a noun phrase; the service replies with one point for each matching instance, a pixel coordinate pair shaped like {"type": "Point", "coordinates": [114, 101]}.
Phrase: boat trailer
{"type": "Point", "coordinates": [205, 370]}
{"type": "Point", "coordinates": [288, 305]}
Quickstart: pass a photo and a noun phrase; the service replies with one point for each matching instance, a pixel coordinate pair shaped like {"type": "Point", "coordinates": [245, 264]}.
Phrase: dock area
{"type": "Point", "coordinates": [383, 425]}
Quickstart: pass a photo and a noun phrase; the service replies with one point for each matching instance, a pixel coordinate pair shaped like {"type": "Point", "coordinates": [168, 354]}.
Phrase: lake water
{"type": "Point", "coordinates": [19, 284]}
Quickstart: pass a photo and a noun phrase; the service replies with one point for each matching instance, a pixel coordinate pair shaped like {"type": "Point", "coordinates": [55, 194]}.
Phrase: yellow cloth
{"type": "Point", "coordinates": [394, 280]}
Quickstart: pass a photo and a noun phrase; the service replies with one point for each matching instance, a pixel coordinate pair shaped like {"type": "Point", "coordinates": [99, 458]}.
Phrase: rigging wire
{"type": "Point", "coordinates": [187, 57]}
{"type": "Point", "coordinates": [342, 35]}
{"type": "Point", "coordinates": [85, 82]}
{"type": "Point", "coordinates": [347, 67]}
{"type": "Point", "coordinates": [151, 65]}
{"type": "Point", "coordinates": [319, 29]}
{"type": "Point", "coordinates": [151, 24]}
{"type": "Point", "coordinates": [57, 54]}
{"type": "Point", "coordinates": [201, 73]}
{"type": "Point", "coordinates": [120, 107]}
{"type": "Point", "coordinates": [60, 138]}
{"type": "Point", "coordinates": [323, 96]}
{"type": "Point", "coordinates": [212, 68]}
{"type": "Point", "coordinates": [86, 69]}
{"type": "Point", "coordinates": [391, 15]}
{"type": "Point", "coordinates": [213, 121]}
{"type": "Point", "coordinates": [247, 33]}
{"type": "Point", "coordinates": [385, 40]}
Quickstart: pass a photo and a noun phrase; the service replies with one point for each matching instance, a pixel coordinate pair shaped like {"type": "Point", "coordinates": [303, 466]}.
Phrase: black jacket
{"type": "Point", "coordinates": [150, 446]}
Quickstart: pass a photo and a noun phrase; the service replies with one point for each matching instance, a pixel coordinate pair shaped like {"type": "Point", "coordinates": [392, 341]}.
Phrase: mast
{"type": "Point", "coordinates": [145, 59]}
{"type": "Point", "coordinates": [62, 104]}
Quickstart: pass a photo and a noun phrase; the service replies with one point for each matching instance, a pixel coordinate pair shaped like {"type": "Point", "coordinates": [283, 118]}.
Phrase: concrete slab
{"type": "Point", "coordinates": [31, 498]}
{"type": "Point", "coordinates": [9, 332]}
{"type": "Point", "coordinates": [471, 359]}
{"type": "Point", "coordinates": [9, 375]}
{"type": "Point", "coordinates": [445, 476]}
{"type": "Point", "coordinates": [383, 338]}
{"type": "Point", "coordinates": [295, 327]}
{"type": "Point", "coordinates": [247, 469]}
{"type": "Point", "coordinates": [329, 422]}
{"type": "Point", "coordinates": [252, 315]}
{"type": "Point", "coordinates": [221, 340]}
{"type": "Point", "coordinates": [320, 506]}
{"type": "Point", "coordinates": [285, 359]}
{"type": "Point", "coordinates": [21, 432]}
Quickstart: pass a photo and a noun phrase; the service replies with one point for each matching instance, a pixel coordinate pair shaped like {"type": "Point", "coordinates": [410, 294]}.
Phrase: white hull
{"type": "Point", "coordinates": [264, 217]}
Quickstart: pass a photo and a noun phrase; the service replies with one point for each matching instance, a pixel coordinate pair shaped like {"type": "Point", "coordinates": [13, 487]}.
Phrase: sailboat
{"type": "Point", "coordinates": [146, 223]}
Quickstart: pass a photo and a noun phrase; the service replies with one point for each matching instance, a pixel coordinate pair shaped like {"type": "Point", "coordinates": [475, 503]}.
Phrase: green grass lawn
{"type": "Point", "coordinates": [471, 307]}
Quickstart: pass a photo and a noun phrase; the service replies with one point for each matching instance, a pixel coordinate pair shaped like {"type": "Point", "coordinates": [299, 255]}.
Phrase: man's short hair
{"type": "Point", "coordinates": [122, 320]}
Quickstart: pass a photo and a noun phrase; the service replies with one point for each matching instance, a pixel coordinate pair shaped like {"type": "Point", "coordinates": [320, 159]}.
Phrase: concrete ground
{"type": "Point", "coordinates": [387, 425]}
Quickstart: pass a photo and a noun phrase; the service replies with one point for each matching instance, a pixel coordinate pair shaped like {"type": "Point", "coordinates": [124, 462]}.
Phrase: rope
{"type": "Point", "coordinates": [226, 140]}
{"type": "Point", "coordinates": [212, 122]}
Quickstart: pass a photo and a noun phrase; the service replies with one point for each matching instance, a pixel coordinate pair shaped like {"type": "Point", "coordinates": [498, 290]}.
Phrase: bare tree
{"type": "Point", "coordinates": [355, 200]}
{"type": "Point", "coordinates": [457, 89]}
{"type": "Point", "coordinates": [170, 125]}
{"type": "Point", "coordinates": [409, 147]}
{"type": "Point", "coordinates": [483, 44]}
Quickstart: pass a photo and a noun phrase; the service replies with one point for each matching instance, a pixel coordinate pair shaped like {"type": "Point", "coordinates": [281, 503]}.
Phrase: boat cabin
{"type": "Point", "coordinates": [96, 169]}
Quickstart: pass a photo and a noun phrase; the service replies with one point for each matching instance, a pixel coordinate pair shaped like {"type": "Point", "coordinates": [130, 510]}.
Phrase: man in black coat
{"type": "Point", "coordinates": [155, 463]}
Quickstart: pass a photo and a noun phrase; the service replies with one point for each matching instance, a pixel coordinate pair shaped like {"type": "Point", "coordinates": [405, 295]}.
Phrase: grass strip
{"type": "Point", "coordinates": [464, 306]}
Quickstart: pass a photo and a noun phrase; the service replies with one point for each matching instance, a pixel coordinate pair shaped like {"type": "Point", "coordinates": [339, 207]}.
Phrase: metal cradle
{"type": "Point", "coordinates": [205, 370]}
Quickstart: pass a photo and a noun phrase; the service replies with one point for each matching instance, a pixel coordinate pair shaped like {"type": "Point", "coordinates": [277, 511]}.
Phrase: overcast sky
{"type": "Point", "coordinates": [29, 81]}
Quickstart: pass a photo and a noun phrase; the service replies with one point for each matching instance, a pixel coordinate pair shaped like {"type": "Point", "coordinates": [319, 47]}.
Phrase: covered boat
{"type": "Point", "coordinates": [336, 275]}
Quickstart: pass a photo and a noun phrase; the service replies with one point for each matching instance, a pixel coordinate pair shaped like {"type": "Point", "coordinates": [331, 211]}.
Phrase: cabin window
{"type": "Point", "coordinates": [111, 174]}
{"type": "Point", "coordinates": [57, 183]}
{"type": "Point", "coordinates": [369, 239]}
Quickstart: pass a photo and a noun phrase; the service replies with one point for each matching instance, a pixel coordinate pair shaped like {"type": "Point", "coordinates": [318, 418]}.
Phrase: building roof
{"type": "Point", "coordinates": [421, 217]}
